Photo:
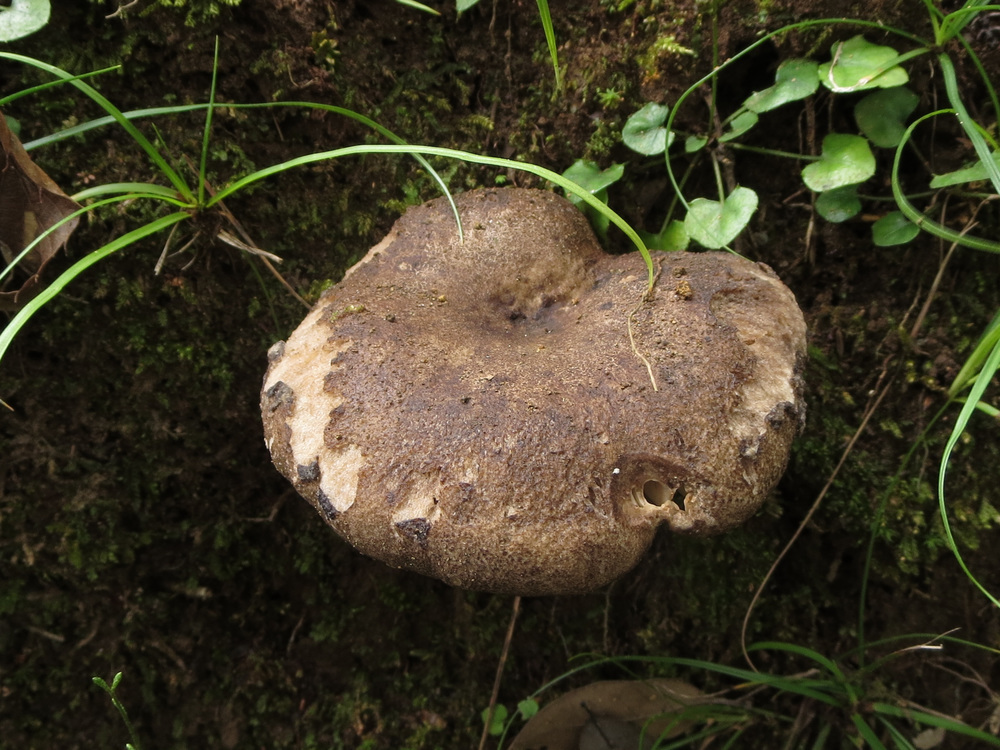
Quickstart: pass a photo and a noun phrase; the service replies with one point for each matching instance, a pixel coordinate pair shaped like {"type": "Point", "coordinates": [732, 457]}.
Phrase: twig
{"type": "Point", "coordinates": [815, 506]}
{"type": "Point", "coordinates": [126, 6]}
{"type": "Point", "coordinates": [631, 339]}
{"type": "Point", "coordinates": [500, 666]}
{"type": "Point", "coordinates": [940, 273]}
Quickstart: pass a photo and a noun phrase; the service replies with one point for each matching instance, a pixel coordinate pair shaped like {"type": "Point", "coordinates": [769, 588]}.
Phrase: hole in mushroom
{"type": "Point", "coordinates": [680, 495]}
{"type": "Point", "coordinates": [657, 493]}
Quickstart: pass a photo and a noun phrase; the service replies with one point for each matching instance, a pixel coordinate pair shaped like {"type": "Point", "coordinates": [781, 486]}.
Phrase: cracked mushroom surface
{"type": "Point", "coordinates": [511, 414]}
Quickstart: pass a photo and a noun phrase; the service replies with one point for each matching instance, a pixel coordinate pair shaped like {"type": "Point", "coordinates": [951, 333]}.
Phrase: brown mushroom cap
{"type": "Point", "coordinates": [484, 411]}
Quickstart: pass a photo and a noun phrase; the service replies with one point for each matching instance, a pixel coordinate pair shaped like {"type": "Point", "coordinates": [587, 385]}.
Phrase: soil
{"type": "Point", "coordinates": [143, 529]}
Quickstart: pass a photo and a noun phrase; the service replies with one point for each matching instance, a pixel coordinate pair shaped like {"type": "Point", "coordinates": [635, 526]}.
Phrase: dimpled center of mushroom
{"type": "Point", "coordinates": [478, 411]}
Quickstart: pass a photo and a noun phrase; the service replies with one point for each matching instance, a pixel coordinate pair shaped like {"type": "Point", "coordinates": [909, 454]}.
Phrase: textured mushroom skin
{"type": "Point", "coordinates": [478, 412]}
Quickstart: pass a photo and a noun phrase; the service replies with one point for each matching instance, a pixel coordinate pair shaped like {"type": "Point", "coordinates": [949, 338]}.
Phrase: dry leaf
{"type": "Point", "coordinates": [608, 715]}
{"type": "Point", "coordinates": [30, 203]}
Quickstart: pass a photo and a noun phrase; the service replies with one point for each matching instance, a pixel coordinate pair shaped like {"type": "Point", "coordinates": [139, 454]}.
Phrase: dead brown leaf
{"type": "Point", "coordinates": [30, 203]}
{"type": "Point", "coordinates": [609, 715]}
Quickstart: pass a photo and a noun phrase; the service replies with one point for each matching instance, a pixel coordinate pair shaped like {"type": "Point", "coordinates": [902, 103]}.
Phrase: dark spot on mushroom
{"type": "Point", "coordinates": [276, 351]}
{"type": "Point", "coordinates": [749, 447]}
{"type": "Point", "coordinates": [278, 395]}
{"type": "Point", "coordinates": [416, 529]}
{"type": "Point", "coordinates": [781, 411]}
{"type": "Point", "coordinates": [326, 507]}
{"type": "Point", "coordinates": [308, 472]}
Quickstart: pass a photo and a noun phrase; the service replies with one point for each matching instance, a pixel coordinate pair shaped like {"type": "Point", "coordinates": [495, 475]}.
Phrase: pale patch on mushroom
{"type": "Point", "coordinates": [485, 412]}
{"type": "Point", "coordinates": [291, 386]}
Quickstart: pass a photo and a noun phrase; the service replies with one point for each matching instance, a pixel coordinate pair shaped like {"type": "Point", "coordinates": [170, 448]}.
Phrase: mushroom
{"type": "Point", "coordinates": [511, 412]}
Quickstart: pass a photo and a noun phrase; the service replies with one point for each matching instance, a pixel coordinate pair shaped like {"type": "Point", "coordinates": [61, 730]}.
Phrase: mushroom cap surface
{"type": "Point", "coordinates": [484, 411]}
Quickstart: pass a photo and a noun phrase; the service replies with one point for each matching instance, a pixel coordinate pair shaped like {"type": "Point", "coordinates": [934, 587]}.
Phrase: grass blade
{"type": "Point", "coordinates": [175, 179]}
{"type": "Point", "coordinates": [927, 719]}
{"type": "Point", "coordinates": [990, 367]}
{"type": "Point", "coordinates": [25, 313]}
{"type": "Point", "coordinates": [971, 128]}
{"type": "Point", "coordinates": [158, 111]}
{"type": "Point", "coordinates": [418, 6]}
{"type": "Point", "coordinates": [828, 664]}
{"type": "Point", "coordinates": [922, 220]}
{"type": "Point", "coordinates": [898, 738]}
{"type": "Point", "coordinates": [49, 84]}
{"type": "Point", "coordinates": [550, 40]}
{"type": "Point", "coordinates": [493, 161]}
{"type": "Point", "coordinates": [867, 733]}
{"type": "Point", "coordinates": [207, 130]}
{"type": "Point", "coordinates": [974, 363]}
{"type": "Point", "coordinates": [136, 189]}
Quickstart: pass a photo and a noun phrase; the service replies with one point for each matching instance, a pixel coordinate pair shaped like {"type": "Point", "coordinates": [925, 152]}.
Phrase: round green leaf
{"type": "Point", "coordinates": [528, 708]}
{"type": "Point", "coordinates": [673, 238]}
{"type": "Point", "coordinates": [894, 229]}
{"type": "Point", "coordinates": [739, 125]}
{"type": "Point", "coordinates": [713, 224]}
{"type": "Point", "coordinates": [694, 143]}
{"type": "Point", "coordinates": [839, 204]}
{"type": "Point", "coordinates": [846, 160]}
{"type": "Point", "coordinates": [590, 176]}
{"type": "Point", "coordinates": [498, 719]}
{"type": "Point", "coordinates": [881, 115]}
{"type": "Point", "coordinates": [644, 131]}
{"type": "Point", "coordinates": [23, 17]}
{"type": "Point", "coordinates": [794, 80]}
{"type": "Point", "coordinates": [858, 65]}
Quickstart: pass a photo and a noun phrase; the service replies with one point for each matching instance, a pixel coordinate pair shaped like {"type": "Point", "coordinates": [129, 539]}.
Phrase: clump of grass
{"type": "Point", "coordinates": [184, 202]}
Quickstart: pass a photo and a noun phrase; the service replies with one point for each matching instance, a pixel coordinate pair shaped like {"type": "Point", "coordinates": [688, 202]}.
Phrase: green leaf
{"type": "Point", "coordinates": [674, 237]}
{"type": "Point", "coordinates": [644, 131]}
{"type": "Point", "coordinates": [739, 125]}
{"type": "Point", "coordinates": [858, 65]}
{"type": "Point", "coordinates": [694, 143]}
{"type": "Point", "coordinates": [595, 181]}
{"type": "Point", "coordinates": [713, 224]}
{"type": "Point", "coordinates": [839, 204]}
{"type": "Point", "coordinates": [498, 719]}
{"type": "Point", "coordinates": [23, 17]}
{"type": "Point", "coordinates": [894, 229]}
{"type": "Point", "coordinates": [464, 5]}
{"type": "Point", "coordinates": [794, 80]}
{"type": "Point", "coordinates": [588, 175]}
{"type": "Point", "coordinates": [528, 708]}
{"type": "Point", "coordinates": [975, 173]}
{"type": "Point", "coordinates": [846, 160]}
{"type": "Point", "coordinates": [881, 115]}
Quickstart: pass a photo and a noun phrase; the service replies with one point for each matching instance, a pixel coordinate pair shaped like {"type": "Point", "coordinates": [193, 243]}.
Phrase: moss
{"type": "Point", "coordinates": [145, 531]}
{"type": "Point", "coordinates": [196, 12]}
